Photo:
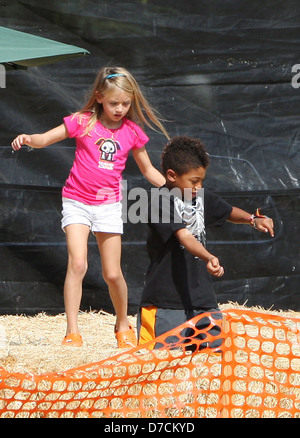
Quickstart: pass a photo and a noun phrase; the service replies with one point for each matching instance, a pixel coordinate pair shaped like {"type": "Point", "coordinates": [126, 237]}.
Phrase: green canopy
{"type": "Point", "coordinates": [22, 50]}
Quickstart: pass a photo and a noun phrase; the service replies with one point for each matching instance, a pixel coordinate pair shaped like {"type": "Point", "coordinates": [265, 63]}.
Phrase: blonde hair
{"type": "Point", "coordinates": [140, 110]}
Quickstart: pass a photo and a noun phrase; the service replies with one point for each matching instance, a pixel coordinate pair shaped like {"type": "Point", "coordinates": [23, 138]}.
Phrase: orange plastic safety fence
{"type": "Point", "coordinates": [246, 365]}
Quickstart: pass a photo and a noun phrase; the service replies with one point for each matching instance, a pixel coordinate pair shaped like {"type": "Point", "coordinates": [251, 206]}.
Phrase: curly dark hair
{"type": "Point", "coordinates": [183, 154]}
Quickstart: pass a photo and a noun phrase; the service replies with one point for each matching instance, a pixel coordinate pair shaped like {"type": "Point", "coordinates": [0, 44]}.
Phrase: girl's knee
{"type": "Point", "coordinates": [113, 278]}
{"type": "Point", "coordinates": [78, 266]}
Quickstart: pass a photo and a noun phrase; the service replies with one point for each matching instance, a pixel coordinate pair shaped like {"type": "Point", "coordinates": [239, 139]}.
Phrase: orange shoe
{"type": "Point", "coordinates": [126, 339]}
{"type": "Point", "coordinates": [73, 340]}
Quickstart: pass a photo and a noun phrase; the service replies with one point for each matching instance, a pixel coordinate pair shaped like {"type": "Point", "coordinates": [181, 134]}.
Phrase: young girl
{"type": "Point", "coordinates": [106, 129]}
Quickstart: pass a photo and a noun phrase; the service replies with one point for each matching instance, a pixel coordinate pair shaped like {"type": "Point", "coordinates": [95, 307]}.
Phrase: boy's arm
{"type": "Point", "coordinates": [146, 167]}
{"type": "Point", "coordinates": [260, 222]}
{"type": "Point", "coordinates": [38, 141]}
{"type": "Point", "coordinates": [196, 248]}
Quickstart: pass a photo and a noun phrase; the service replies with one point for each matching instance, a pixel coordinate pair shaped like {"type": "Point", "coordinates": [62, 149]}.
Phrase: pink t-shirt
{"type": "Point", "coordinates": [100, 158]}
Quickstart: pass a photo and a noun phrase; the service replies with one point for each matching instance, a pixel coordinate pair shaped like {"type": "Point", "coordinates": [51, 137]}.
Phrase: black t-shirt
{"type": "Point", "coordinates": [176, 279]}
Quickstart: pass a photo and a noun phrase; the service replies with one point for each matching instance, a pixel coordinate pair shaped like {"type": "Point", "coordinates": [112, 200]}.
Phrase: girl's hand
{"type": "Point", "coordinates": [21, 140]}
{"type": "Point", "coordinates": [214, 268]}
{"type": "Point", "coordinates": [37, 141]}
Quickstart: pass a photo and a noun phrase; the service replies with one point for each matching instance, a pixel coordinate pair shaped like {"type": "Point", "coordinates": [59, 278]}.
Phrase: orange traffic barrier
{"type": "Point", "coordinates": [246, 365]}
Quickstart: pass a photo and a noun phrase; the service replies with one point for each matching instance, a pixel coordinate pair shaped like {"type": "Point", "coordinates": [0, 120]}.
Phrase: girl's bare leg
{"type": "Point", "coordinates": [110, 250]}
{"type": "Point", "coordinates": [77, 238]}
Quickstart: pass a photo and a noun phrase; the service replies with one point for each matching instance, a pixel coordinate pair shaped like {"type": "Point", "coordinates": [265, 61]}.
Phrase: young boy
{"type": "Point", "coordinates": [178, 283]}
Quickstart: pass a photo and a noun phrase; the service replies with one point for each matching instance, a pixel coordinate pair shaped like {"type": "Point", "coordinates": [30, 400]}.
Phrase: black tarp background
{"type": "Point", "coordinates": [221, 71]}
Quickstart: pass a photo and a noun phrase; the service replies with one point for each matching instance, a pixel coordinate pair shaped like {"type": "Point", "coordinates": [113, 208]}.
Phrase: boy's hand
{"type": "Point", "coordinates": [214, 268]}
{"type": "Point", "coordinates": [265, 225]}
{"type": "Point", "coordinates": [20, 140]}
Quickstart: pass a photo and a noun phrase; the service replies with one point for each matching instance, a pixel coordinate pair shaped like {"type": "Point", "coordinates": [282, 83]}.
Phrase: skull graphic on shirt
{"type": "Point", "coordinates": [108, 148]}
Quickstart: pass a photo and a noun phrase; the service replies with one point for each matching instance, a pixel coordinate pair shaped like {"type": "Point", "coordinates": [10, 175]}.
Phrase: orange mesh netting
{"type": "Point", "coordinates": [253, 373]}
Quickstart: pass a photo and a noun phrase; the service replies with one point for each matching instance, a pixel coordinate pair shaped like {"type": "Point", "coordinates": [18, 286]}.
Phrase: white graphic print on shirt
{"type": "Point", "coordinates": [192, 213]}
{"type": "Point", "coordinates": [108, 148]}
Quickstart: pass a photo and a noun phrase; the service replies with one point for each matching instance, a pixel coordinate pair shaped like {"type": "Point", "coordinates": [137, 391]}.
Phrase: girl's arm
{"type": "Point", "coordinates": [146, 167]}
{"type": "Point", "coordinates": [37, 141]}
{"type": "Point", "coordinates": [196, 248]}
{"type": "Point", "coordinates": [264, 224]}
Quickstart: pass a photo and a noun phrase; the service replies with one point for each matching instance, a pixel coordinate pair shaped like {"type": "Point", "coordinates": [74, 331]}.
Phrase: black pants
{"type": "Point", "coordinates": [153, 322]}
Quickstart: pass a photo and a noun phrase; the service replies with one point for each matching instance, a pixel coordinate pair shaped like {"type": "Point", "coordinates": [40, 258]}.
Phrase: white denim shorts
{"type": "Point", "coordinates": [102, 218]}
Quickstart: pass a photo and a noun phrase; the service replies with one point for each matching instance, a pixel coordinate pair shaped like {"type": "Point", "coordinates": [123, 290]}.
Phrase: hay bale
{"type": "Point", "coordinates": [33, 344]}
{"type": "Point", "coordinates": [255, 376]}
